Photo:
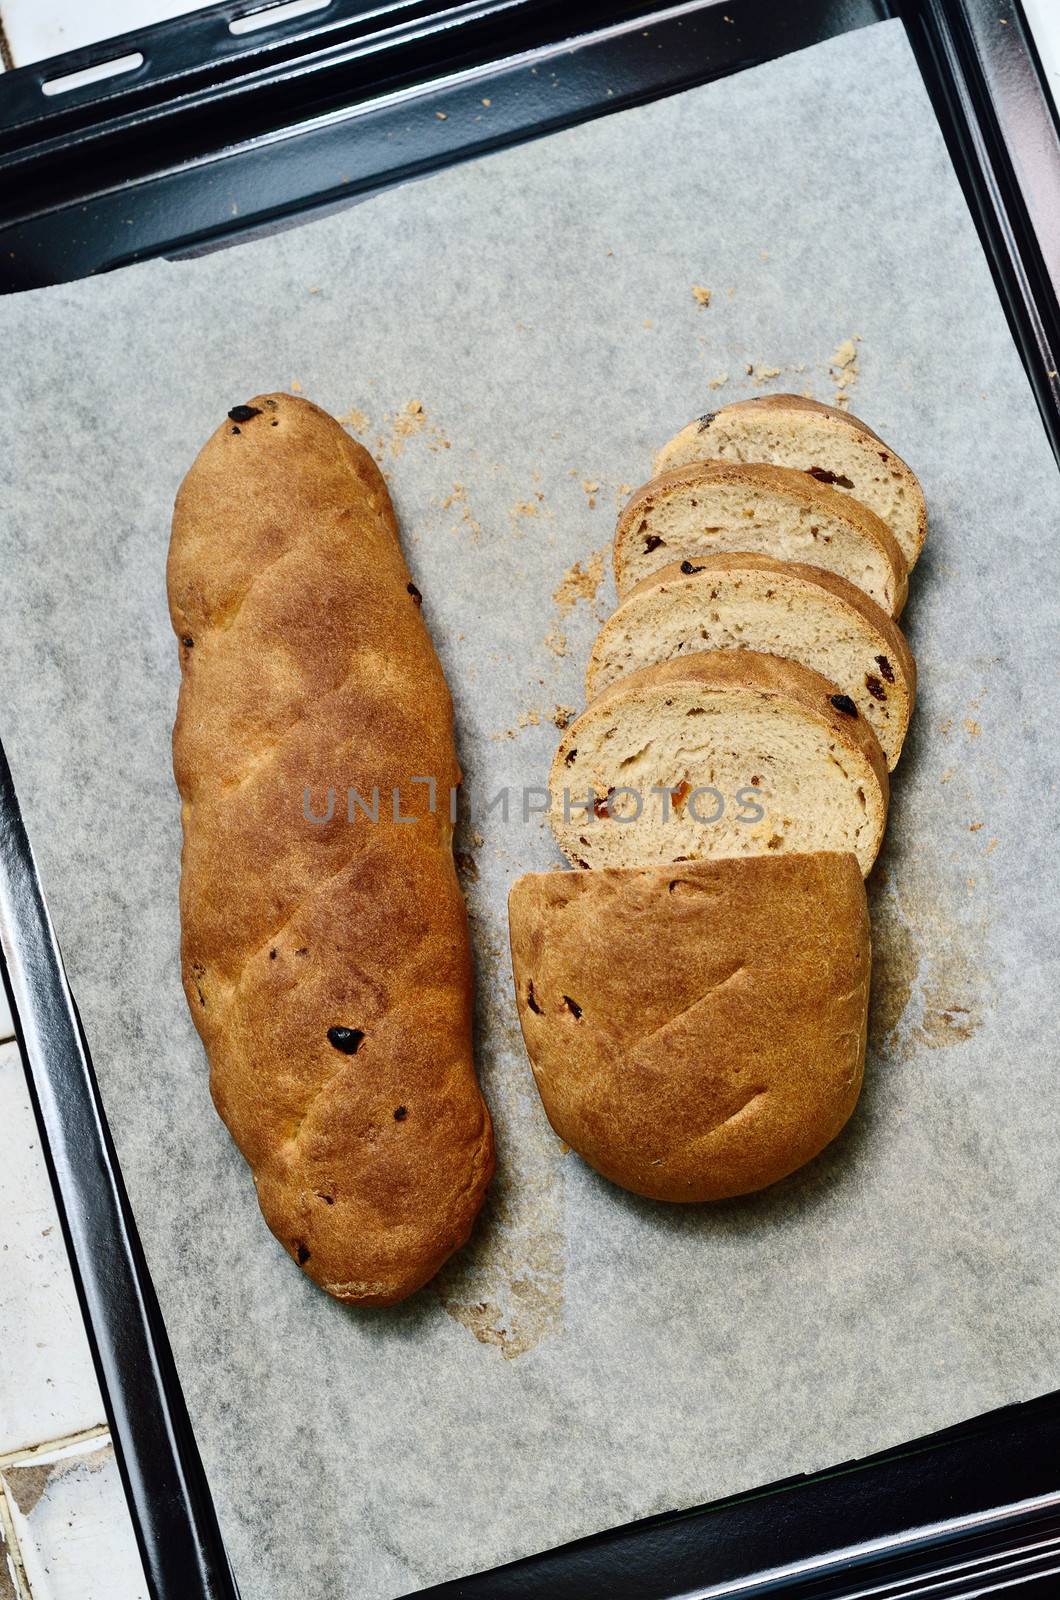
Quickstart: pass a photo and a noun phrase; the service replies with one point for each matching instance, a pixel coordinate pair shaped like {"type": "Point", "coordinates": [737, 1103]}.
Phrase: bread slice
{"type": "Point", "coordinates": [720, 507]}
{"type": "Point", "coordinates": [725, 753]}
{"type": "Point", "coordinates": [839, 450]}
{"type": "Point", "coordinates": [725, 1048]}
{"type": "Point", "coordinates": [783, 608]}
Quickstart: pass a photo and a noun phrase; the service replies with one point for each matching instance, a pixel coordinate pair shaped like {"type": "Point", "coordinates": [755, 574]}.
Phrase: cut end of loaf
{"type": "Point", "coordinates": [726, 1048]}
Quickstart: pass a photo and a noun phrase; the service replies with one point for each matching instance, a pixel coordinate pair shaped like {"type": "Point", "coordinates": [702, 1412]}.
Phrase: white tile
{"type": "Point", "coordinates": [71, 1522]}
{"type": "Point", "coordinates": [48, 1386]}
{"type": "Point", "coordinates": [37, 29]}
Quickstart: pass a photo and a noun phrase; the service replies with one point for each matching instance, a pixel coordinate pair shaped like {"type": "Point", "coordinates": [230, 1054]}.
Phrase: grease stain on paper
{"type": "Point", "coordinates": [922, 952]}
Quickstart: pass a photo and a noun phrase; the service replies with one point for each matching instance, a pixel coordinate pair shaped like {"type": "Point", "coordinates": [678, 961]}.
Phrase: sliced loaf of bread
{"type": "Point", "coordinates": [725, 753]}
{"type": "Point", "coordinates": [782, 608]}
{"type": "Point", "coordinates": [725, 1048]}
{"type": "Point", "coordinates": [837, 449]}
{"type": "Point", "coordinates": [718, 507]}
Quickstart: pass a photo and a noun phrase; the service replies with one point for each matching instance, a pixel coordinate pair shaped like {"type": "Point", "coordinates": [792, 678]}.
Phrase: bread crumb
{"type": "Point", "coordinates": [563, 716]}
{"type": "Point", "coordinates": [442, 116]}
{"type": "Point", "coordinates": [647, 322]}
{"type": "Point", "coordinates": [525, 719]}
{"type": "Point", "coordinates": [719, 382]}
{"type": "Point", "coordinates": [972, 728]}
{"type": "Point", "coordinates": [409, 420]}
{"type": "Point", "coordinates": [700, 295]}
{"type": "Point", "coordinates": [591, 489]}
{"type": "Point", "coordinates": [760, 373]}
{"type": "Point", "coordinates": [843, 364]}
{"type": "Point", "coordinates": [556, 641]}
{"type": "Point", "coordinates": [991, 847]}
{"type": "Point", "coordinates": [296, 387]}
{"type": "Point", "coordinates": [622, 493]}
{"type": "Point", "coordinates": [580, 583]}
{"type": "Point", "coordinates": [524, 508]}
{"type": "Point", "coordinates": [459, 497]}
{"type": "Point", "coordinates": [973, 827]}
{"type": "Point", "coordinates": [487, 102]}
{"type": "Point", "coordinates": [476, 838]}
{"type": "Point", "coordinates": [356, 419]}
{"type": "Point", "coordinates": [947, 775]}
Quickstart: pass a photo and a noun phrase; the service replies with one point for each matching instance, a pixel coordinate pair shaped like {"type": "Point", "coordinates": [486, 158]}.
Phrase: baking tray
{"type": "Point", "coordinates": [309, 113]}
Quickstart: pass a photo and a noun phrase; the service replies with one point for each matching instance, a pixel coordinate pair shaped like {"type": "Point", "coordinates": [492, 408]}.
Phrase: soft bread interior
{"type": "Point", "coordinates": [746, 773]}
{"type": "Point", "coordinates": [839, 455]}
{"type": "Point", "coordinates": [686, 521]}
{"type": "Point", "coordinates": [781, 611]}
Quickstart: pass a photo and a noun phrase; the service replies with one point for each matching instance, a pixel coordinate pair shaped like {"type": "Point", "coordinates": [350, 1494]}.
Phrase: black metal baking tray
{"type": "Point", "coordinates": [210, 135]}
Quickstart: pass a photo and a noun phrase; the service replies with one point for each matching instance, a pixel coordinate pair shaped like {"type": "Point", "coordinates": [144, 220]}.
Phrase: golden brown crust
{"type": "Point", "coordinates": [725, 1048]}
{"type": "Point", "coordinates": [786, 481]}
{"type": "Point", "coordinates": [842, 588]}
{"type": "Point", "coordinates": [307, 668]}
{"type": "Point", "coordinates": [803, 402]}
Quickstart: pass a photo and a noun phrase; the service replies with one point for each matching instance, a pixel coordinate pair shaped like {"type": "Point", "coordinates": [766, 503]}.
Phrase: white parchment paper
{"type": "Point", "coordinates": [591, 1357]}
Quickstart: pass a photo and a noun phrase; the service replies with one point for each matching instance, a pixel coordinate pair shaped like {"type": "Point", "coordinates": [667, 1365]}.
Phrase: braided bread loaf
{"type": "Point", "coordinates": [325, 955]}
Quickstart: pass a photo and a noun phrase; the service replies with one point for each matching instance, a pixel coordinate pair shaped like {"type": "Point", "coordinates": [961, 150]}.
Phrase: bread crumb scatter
{"type": "Point", "coordinates": [406, 422]}
{"type": "Point", "coordinates": [563, 716]}
{"type": "Point", "coordinates": [843, 364]}
{"type": "Point", "coordinates": [700, 294]}
{"type": "Point", "coordinates": [526, 719]}
{"type": "Point", "coordinates": [580, 583]}
{"type": "Point", "coordinates": [459, 498]}
{"type": "Point", "coordinates": [356, 419]}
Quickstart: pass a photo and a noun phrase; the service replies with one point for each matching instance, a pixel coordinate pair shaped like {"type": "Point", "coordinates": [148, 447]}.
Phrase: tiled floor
{"type": "Point", "coordinates": [64, 1528]}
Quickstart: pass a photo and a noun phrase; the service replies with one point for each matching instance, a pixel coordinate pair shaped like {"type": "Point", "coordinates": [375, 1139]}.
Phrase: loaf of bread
{"type": "Point", "coordinates": [695, 1031]}
{"type": "Point", "coordinates": [838, 449]}
{"type": "Point", "coordinates": [725, 753]}
{"type": "Point", "coordinates": [720, 507]}
{"type": "Point", "coordinates": [781, 608]}
{"type": "Point", "coordinates": [325, 954]}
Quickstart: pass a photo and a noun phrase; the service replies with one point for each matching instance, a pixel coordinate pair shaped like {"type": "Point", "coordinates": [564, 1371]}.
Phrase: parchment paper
{"type": "Point", "coordinates": [591, 1358]}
